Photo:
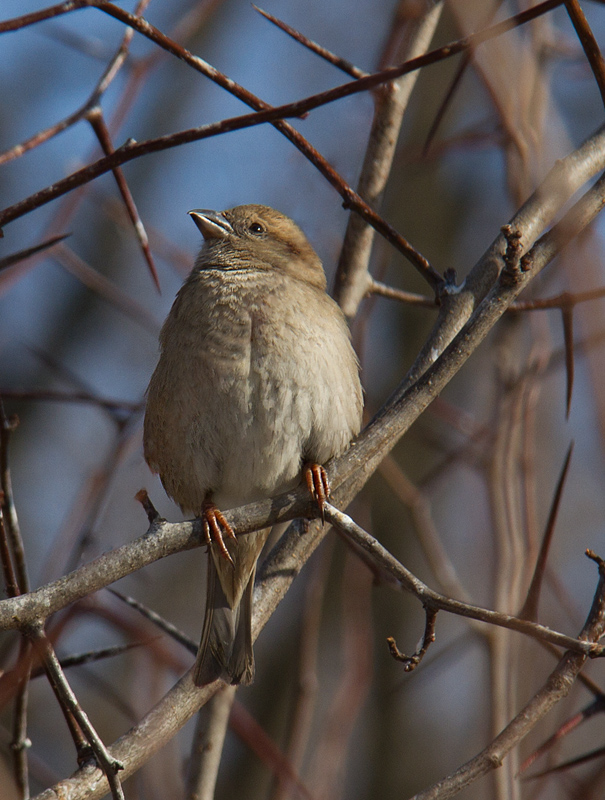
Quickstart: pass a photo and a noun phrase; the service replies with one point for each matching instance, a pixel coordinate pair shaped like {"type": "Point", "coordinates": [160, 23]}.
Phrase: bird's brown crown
{"type": "Point", "coordinates": [257, 237]}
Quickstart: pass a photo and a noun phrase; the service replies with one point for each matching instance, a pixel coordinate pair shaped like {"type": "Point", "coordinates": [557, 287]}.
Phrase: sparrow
{"type": "Point", "coordinates": [256, 387]}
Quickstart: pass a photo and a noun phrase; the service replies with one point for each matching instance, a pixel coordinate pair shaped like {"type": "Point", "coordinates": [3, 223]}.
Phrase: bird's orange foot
{"type": "Point", "coordinates": [215, 524]}
{"type": "Point", "coordinates": [318, 485]}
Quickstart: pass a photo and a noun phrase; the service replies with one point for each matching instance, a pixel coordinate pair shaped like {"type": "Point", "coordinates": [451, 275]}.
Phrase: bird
{"type": "Point", "coordinates": [257, 386]}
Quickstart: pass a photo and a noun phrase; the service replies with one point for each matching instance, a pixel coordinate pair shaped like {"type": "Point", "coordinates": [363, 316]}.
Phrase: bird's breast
{"type": "Point", "coordinates": [246, 382]}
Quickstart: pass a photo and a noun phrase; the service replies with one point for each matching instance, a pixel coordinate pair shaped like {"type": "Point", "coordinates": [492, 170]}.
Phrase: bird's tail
{"type": "Point", "coordinates": [225, 649]}
{"type": "Point", "coordinates": [226, 646]}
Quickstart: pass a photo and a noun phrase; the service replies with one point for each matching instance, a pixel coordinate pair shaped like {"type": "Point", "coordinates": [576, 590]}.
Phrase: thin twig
{"type": "Point", "coordinates": [300, 720]}
{"type": "Point", "coordinates": [246, 728]}
{"type": "Point", "coordinates": [15, 258]}
{"type": "Point", "coordinates": [160, 622]}
{"type": "Point", "coordinates": [530, 607]}
{"type": "Point", "coordinates": [449, 94]}
{"type": "Point", "coordinates": [11, 587]}
{"type": "Point", "coordinates": [597, 706]}
{"type": "Point", "coordinates": [411, 662]}
{"type": "Point", "coordinates": [415, 28]}
{"type": "Point", "coordinates": [589, 43]}
{"type": "Point", "coordinates": [16, 582]}
{"type": "Point", "coordinates": [320, 51]}
{"type": "Point", "coordinates": [109, 73]}
{"type": "Point", "coordinates": [9, 509]}
{"type": "Point", "coordinates": [110, 765]}
{"type": "Point", "coordinates": [434, 600]}
{"type": "Point", "coordinates": [58, 396]}
{"type": "Point", "coordinates": [409, 298]}
{"type": "Point", "coordinates": [104, 288]}
{"type": "Point", "coordinates": [553, 690]}
{"type": "Point", "coordinates": [95, 117]}
{"type": "Point", "coordinates": [181, 702]}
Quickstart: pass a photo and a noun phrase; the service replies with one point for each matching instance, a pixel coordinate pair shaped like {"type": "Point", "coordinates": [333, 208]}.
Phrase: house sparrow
{"type": "Point", "coordinates": [257, 383]}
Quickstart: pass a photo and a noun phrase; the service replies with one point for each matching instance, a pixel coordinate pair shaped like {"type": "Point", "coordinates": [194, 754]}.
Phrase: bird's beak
{"type": "Point", "coordinates": [212, 224]}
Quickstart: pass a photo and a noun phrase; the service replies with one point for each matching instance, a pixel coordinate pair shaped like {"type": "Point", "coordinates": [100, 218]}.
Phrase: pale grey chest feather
{"type": "Point", "coordinates": [256, 395]}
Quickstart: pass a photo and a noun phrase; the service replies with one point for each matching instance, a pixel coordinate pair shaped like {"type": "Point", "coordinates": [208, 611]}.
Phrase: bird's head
{"type": "Point", "coordinates": [259, 238]}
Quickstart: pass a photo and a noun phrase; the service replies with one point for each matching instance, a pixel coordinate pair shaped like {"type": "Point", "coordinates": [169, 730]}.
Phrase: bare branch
{"type": "Point", "coordinates": [434, 601]}
{"type": "Point", "coordinates": [553, 690]}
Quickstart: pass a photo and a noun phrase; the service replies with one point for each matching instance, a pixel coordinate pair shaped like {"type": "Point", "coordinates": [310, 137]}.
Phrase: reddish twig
{"type": "Point", "coordinates": [249, 731]}
{"type": "Point", "coordinates": [566, 302]}
{"type": "Point", "coordinates": [451, 90]}
{"type": "Point", "coordinates": [15, 258]}
{"type": "Point", "coordinates": [567, 317]}
{"type": "Point", "coordinates": [562, 301]}
{"type": "Point", "coordinates": [95, 117]}
{"type": "Point", "coordinates": [530, 607]}
{"type": "Point", "coordinates": [596, 707]}
{"type": "Point", "coordinates": [588, 42]}
{"type": "Point", "coordinates": [105, 288]}
{"type": "Point", "coordinates": [110, 72]}
{"type": "Point", "coordinates": [152, 514]}
{"type": "Point", "coordinates": [56, 396]}
{"type": "Point", "coordinates": [410, 35]}
{"type": "Point", "coordinates": [320, 51]}
{"type": "Point", "coordinates": [131, 150]}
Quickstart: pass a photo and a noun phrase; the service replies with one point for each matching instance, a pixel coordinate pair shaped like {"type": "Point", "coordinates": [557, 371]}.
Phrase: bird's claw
{"type": "Point", "coordinates": [215, 524]}
{"type": "Point", "coordinates": [318, 485]}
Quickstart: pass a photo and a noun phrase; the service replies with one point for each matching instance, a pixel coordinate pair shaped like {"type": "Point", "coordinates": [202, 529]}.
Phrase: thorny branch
{"type": "Point", "coordinates": [275, 115]}
{"type": "Point", "coordinates": [553, 690]}
{"type": "Point", "coordinates": [104, 82]}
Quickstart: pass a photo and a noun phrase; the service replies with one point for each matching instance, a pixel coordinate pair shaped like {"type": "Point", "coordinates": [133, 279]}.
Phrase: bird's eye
{"type": "Point", "coordinates": [256, 227]}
